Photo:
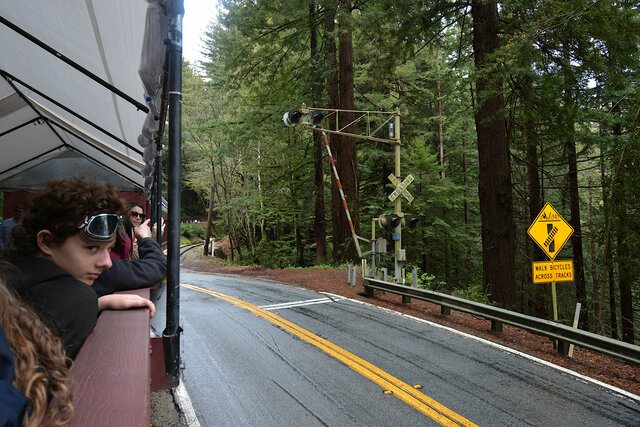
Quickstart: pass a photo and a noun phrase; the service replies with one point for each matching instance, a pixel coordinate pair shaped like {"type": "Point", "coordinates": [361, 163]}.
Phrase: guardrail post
{"type": "Point", "coordinates": [563, 347]}
{"type": "Point", "coordinates": [355, 276]}
{"type": "Point", "coordinates": [368, 291]}
{"type": "Point", "coordinates": [496, 326]}
{"type": "Point", "coordinates": [348, 274]}
{"type": "Point", "coordinates": [444, 310]}
{"type": "Point", "coordinates": [405, 299]}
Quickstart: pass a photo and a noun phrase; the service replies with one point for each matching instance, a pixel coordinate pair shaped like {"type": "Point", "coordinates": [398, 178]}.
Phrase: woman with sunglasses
{"type": "Point", "coordinates": [62, 246]}
{"type": "Point", "coordinates": [127, 246]}
{"type": "Point", "coordinates": [136, 217]}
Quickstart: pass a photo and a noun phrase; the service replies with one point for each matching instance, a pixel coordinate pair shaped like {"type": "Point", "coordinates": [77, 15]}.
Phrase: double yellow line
{"type": "Point", "coordinates": [388, 382]}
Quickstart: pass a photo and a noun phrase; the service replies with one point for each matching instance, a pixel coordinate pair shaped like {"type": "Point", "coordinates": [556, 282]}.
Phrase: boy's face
{"type": "Point", "coordinates": [82, 259]}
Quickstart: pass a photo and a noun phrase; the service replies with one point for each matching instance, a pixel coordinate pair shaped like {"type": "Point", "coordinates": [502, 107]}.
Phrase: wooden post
{"type": "Point", "coordinates": [575, 325]}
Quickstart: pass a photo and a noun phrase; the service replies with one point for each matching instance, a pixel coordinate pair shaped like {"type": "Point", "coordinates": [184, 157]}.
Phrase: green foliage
{"type": "Point", "coordinates": [429, 282]}
{"type": "Point", "coordinates": [474, 293]}
{"type": "Point", "coordinates": [193, 232]}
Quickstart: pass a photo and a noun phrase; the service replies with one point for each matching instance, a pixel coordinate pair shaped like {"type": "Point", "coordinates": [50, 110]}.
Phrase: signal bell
{"type": "Point", "coordinates": [292, 117]}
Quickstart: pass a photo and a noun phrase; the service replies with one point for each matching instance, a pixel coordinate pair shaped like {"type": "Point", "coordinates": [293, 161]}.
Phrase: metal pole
{"type": "Point", "coordinates": [158, 196]}
{"type": "Point", "coordinates": [154, 204]}
{"type": "Point", "coordinates": [398, 201]}
{"type": "Point", "coordinates": [171, 335]}
{"type": "Point", "coordinates": [373, 247]}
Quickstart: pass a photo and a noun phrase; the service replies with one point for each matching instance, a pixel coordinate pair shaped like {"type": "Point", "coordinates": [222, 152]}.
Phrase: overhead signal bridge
{"type": "Point", "coordinates": [376, 126]}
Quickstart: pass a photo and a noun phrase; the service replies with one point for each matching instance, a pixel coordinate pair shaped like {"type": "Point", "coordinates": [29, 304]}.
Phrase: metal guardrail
{"type": "Point", "coordinates": [564, 334]}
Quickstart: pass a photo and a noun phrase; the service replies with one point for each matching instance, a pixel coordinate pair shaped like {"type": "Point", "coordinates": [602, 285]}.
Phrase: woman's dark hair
{"type": "Point", "coordinates": [60, 208]}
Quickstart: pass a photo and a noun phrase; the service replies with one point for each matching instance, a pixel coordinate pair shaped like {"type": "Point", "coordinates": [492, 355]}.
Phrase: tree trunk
{"type": "Point", "coordinates": [537, 304]}
{"type": "Point", "coordinates": [574, 196]}
{"type": "Point", "coordinates": [319, 224]}
{"type": "Point", "coordinates": [263, 236]}
{"type": "Point", "coordinates": [207, 232]}
{"type": "Point", "coordinates": [494, 186]}
{"type": "Point", "coordinates": [345, 151]}
{"type": "Point", "coordinates": [467, 212]}
{"type": "Point", "coordinates": [625, 268]}
{"type": "Point", "coordinates": [576, 238]}
{"type": "Point", "coordinates": [334, 103]}
{"type": "Point", "coordinates": [625, 276]}
{"type": "Point", "coordinates": [535, 203]}
{"type": "Point", "coordinates": [440, 132]}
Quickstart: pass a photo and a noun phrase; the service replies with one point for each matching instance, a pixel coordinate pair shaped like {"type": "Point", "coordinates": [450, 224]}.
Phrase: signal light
{"type": "Point", "coordinates": [315, 118]}
{"type": "Point", "coordinates": [390, 221]}
{"type": "Point", "coordinates": [292, 118]}
{"type": "Point", "coordinates": [411, 221]}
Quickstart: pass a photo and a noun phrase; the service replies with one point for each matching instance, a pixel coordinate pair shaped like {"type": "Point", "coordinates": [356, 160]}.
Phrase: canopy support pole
{"type": "Point", "coordinates": [171, 335]}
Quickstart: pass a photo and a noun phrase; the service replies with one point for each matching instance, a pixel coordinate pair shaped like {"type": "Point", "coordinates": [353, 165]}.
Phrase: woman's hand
{"type": "Point", "coordinates": [163, 227]}
{"type": "Point", "coordinates": [124, 302]}
{"type": "Point", "coordinates": [142, 230]}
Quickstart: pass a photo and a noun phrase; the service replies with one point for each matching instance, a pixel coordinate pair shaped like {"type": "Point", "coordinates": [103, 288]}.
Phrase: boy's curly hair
{"type": "Point", "coordinates": [60, 208]}
{"type": "Point", "coordinates": [41, 366]}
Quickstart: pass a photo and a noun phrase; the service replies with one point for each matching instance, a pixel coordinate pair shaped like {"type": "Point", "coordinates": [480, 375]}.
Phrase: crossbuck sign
{"type": "Point", "coordinates": [401, 188]}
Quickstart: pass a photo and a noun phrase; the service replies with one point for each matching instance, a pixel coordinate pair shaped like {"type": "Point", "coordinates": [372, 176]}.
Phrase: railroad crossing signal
{"type": "Point", "coordinates": [550, 231]}
{"type": "Point", "coordinates": [401, 188]}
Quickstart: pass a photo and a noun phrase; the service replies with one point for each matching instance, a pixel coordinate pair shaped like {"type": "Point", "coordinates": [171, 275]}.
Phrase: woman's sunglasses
{"type": "Point", "coordinates": [101, 227]}
{"type": "Point", "coordinates": [138, 214]}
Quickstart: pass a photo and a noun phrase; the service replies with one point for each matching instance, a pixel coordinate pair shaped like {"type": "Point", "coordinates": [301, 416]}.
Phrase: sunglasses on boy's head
{"type": "Point", "coordinates": [138, 214]}
{"type": "Point", "coordinates": [100, 227]}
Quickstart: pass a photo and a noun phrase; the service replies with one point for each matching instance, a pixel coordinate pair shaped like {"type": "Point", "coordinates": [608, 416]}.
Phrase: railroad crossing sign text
{"type": "Point", "coordinates": [552, 271]}
{"type": "Point", "coordinates": [401, 188]}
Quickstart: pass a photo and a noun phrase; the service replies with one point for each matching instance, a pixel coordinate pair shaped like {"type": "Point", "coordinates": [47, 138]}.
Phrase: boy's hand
{"type": "Point", "coordinates": [124, 302]}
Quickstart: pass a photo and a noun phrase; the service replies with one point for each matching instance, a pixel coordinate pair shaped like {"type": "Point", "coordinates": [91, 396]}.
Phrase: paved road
{"type": "Point", "coordinates": [251, 359]}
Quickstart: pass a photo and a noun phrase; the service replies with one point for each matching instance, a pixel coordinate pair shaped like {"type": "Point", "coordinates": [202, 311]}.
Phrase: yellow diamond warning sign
{"type": "Point", "coordinates": [552, 271]}
{"type": "Point", "coordinates": [550, 231]}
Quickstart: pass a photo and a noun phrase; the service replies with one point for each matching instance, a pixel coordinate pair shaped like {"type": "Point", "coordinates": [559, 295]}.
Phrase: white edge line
{"type": "Point", "coordinates": [296, 304]}
{"type": "Point", "coordinates": [614, 389]}
{"type": "Point", "coordinates": [184, 403]}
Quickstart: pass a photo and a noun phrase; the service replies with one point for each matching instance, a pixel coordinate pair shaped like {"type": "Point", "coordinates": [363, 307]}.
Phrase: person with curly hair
{"type": "Point", "coordinates": [61, 248]}
{"type": "Point", "coordinates": [33, 367]}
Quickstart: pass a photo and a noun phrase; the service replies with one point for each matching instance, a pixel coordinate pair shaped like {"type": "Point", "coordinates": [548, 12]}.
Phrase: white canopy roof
{"type": "Point", "coordinates": [71, 98]}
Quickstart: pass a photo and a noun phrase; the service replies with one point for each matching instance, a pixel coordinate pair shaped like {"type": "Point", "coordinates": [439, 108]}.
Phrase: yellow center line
{"type": "Point", "coordinates": [400, 389]}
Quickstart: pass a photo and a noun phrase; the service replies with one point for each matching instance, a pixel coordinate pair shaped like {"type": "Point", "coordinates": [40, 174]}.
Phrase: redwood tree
{"type": "Point", "coordinates": [494, 181]}
{"type": "Point", "coordinates": [344, 148]}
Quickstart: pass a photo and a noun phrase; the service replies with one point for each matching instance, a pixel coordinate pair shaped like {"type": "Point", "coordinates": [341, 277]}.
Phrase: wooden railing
{"type": "Point", "coordinates": [116, 369]}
